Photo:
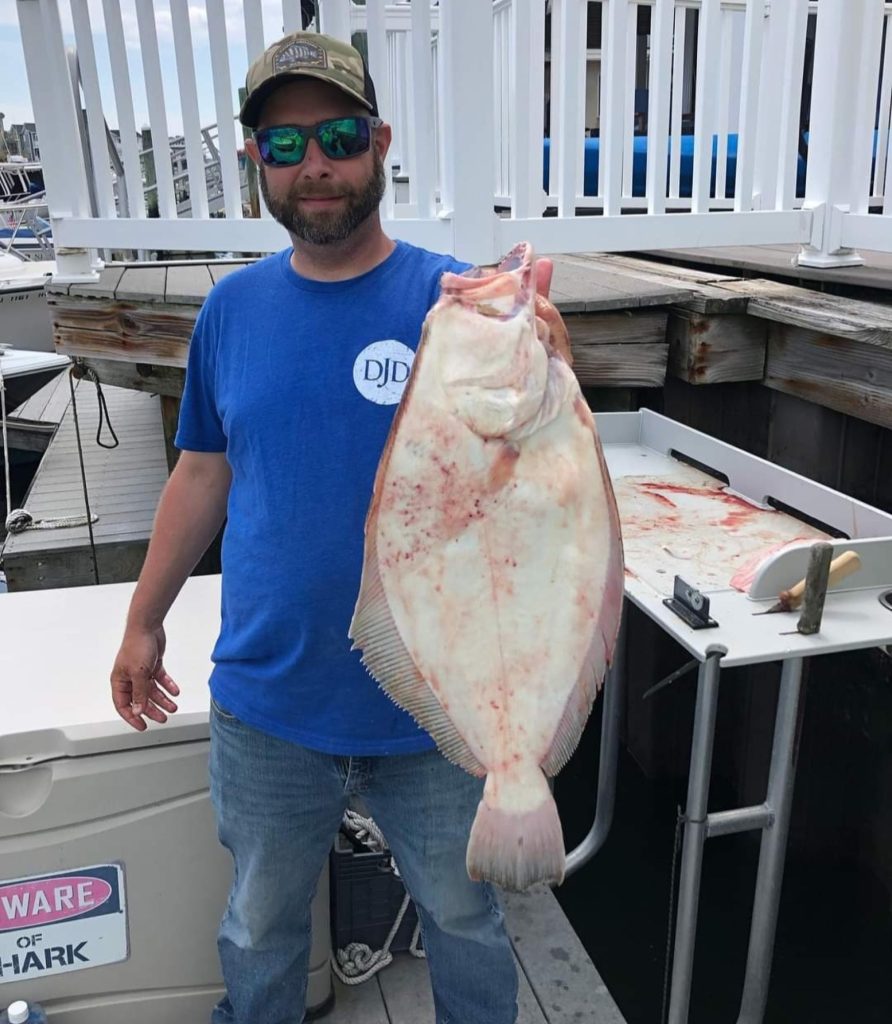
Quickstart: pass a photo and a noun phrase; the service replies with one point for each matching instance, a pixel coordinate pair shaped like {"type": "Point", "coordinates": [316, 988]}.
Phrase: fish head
{"type": "Point", "coordinates": [492, 359]}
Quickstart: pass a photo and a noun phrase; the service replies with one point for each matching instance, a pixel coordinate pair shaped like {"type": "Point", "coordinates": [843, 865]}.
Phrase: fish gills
{"type": "Point", "coordinates": [493, 577]}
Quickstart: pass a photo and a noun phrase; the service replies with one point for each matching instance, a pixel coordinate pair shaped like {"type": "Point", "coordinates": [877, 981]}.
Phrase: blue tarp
{"type": "Point", "coordinates": [639, 166]}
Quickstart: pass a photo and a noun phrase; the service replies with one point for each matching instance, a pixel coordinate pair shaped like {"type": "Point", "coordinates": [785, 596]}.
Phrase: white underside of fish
{"type": "Point", "coordinates": [492, 589]}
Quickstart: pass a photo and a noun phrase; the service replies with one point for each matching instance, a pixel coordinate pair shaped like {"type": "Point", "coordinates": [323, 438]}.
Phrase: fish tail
{"type": "Point", "coordinates": [516, 839]}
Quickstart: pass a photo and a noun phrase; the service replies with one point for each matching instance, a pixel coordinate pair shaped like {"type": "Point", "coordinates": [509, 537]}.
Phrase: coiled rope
{"type": "Point", "coordinates": [357, 962]}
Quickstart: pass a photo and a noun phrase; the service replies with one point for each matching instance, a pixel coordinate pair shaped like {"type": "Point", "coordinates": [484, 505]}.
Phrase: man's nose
{"type": "Point", "coordinates": [315, 163]}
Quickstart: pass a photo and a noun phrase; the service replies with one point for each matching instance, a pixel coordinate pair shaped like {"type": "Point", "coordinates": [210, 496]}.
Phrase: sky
{"type": "Point", "coordinates": [15, 100]}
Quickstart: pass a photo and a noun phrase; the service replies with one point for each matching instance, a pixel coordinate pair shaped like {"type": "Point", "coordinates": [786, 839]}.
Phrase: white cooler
{"type": "Point", "coordinates": [112, 882]}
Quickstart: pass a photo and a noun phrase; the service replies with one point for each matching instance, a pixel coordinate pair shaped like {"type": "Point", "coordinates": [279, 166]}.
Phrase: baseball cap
{"type": "Point", "coordinates": [306, 55]}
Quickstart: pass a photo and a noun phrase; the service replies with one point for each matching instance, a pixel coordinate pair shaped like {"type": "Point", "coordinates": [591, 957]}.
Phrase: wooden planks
{"type": "Point", "coordinates": [123, 483]}
{"type": "Point", "coordinates": [581, 284]}
{"type": "Point", "coordinates": [558, 983]}
{"type": "Point", "coordinates": [780, 260]}
{"type": "Point", "coordinates": [619, 349]}
{"type": "Point", "coordinates": [848, 376]}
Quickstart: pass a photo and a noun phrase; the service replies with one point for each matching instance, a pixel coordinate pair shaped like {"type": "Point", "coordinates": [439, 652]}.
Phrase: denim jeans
{"type": "Point", "coordinates": [278, 807]}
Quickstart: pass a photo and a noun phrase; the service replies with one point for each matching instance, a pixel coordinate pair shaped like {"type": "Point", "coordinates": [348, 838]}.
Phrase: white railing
{"type": "Point", "coordinates": [464, 86]}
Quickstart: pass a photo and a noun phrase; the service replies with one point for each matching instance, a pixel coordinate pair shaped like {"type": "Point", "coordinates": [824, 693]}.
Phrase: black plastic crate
{"type": "Point", "coordinates": [366, 897]}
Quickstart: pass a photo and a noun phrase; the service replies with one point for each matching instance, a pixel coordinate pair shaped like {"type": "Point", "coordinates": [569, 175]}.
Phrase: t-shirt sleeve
{"type": "Point", "coordinates": [200, 428]}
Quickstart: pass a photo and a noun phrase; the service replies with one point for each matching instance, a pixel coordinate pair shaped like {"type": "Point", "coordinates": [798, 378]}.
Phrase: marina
{"type": "Point", "coordinates": [726, 814]}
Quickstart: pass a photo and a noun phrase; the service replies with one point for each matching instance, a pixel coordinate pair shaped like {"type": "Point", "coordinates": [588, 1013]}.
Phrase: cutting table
{"type": "Point", "coordinates": [711, 535]}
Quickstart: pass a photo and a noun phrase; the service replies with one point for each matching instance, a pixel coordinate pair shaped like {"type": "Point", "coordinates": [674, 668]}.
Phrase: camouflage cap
{"type": "Point", "coordinates": [306, 55]}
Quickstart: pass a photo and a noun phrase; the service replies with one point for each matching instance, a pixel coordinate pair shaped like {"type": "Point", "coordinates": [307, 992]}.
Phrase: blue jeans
{"type": "Point", "coordinates": [278, 807]}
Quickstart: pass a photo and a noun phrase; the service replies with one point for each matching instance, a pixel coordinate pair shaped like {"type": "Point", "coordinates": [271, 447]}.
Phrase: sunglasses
{"type": "Point", "coordinates": [339, 138]}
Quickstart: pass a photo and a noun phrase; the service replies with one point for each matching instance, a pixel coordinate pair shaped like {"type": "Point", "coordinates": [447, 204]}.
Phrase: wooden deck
{"type": "Point", "coordinates": [123, 483]}
{"type": "Point", "coordinates": [559, 984]}
{"type": "Point", "coordinates": [780, 260]}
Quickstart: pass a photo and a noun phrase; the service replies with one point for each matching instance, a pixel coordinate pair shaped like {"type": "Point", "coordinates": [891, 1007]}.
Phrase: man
{"type": "Point", "coordinates": [295, 367]}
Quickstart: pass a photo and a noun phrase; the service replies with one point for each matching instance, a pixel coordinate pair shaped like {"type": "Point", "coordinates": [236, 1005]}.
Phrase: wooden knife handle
{"type": "Point", "coordinates": [841, 566]}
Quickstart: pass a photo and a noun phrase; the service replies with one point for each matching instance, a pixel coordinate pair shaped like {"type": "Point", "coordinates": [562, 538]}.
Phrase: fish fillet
{"type": "Point", "coordinates": [492, 584]}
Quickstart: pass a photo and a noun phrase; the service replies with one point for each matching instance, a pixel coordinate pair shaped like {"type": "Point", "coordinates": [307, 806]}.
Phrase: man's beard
{"type": "Point", "coordinates": [326, 226]}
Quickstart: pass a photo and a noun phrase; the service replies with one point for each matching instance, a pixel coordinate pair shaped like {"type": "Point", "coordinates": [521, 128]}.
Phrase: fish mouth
{"type": "Point", "coordinates": [503, 292]}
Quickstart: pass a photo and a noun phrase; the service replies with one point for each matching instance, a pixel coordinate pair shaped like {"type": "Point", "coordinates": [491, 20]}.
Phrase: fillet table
{"type": "Point", "coordinates": [727, 550]}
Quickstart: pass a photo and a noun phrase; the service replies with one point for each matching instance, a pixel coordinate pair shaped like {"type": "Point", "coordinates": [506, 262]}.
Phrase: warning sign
{"type": "Point", "coordinates": [53, 924]}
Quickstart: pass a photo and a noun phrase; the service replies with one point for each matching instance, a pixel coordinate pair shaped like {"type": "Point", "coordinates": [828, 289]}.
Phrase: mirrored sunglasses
{"type": "Point", "coordinates": [339, 138]}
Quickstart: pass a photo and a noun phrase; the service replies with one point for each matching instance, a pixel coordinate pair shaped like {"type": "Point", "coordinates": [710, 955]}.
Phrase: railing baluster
{"type": "Point", "coordinates": [629, 105]}
{"type": "Point", "coordinates": [182, 39]}
{"type": "Point", "coordinates": [864, 114]}
{"type": "Point", "coordinates": [658, 105]}
{"type": "Point", "coordinates": [724, 103]}
{"type": "Point", "coordinates": [422, 183]}
{"type": "Point", "coordinates": [704, 124]}
{"type": "Point", "coordinates": [254, 39]}
{"type": "Point", "coordinates": [376, 33]}
{"type": "Point", "coordinates": [117, 53]}
{"type": "Point", "coordinates": [678, 64]}
{"type": "Point", "coordinates": [151, 66]}
{"type": "Point", "coordinates": [792, 60]}
{"type": "Point", "coordinates": [753, 34]}
{"type": "Point", "coordinates": [86, 57]}
{"type": "Point", "coordinates": [291, 19]}
{"type": "Point", "coordinates": [466, 39]}
{"type": "Point", "coordinates": [527, 125]}
{"type": "Point", "coordinates": [571, 124]}
{"type": "Point", "coordinates": [334, 19]}
{"type": "Point", "coordinates": [226, 140]}
{"type": "Point", "coordinates": [613, 105]}
{"type": "Point", "coordinates": [883, 133]}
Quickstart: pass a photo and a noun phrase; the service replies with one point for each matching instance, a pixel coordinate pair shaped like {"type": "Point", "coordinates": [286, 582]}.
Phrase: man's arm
{"type": "Point", "coordinates": [190, 513]}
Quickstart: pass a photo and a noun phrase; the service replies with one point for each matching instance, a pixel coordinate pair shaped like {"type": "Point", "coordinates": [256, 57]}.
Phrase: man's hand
{"type": "Point", "coordinates": [139, 679]}
{"type": "Point", "coordinates": [544, 270]}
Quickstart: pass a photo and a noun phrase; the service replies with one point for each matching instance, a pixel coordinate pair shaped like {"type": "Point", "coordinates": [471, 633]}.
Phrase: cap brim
{"type": "Point", "coordinates": [249, 115]}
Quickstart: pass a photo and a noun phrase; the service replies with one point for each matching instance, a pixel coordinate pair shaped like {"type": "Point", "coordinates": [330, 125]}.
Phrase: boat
{"type": "Point", "coordinates": [25, 320]}
{"type": "Point", "coordinates": [23, 372]}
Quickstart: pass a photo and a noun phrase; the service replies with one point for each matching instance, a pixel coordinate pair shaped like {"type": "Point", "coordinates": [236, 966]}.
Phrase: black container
{"type": "Point", "coordinates": [366, 897]}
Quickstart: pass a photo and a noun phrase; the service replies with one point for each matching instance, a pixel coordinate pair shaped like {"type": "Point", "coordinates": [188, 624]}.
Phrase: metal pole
{"type": "Point", "coordinates": [612, 713]}
{"type": "Point", "coordinates": [774, 841]}
{"type": "Point", "coordinates": [694, 838]}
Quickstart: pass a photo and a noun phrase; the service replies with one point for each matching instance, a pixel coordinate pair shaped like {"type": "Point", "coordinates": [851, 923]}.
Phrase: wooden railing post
{"type": "Point", "coordinates": [62, 156]}
{"type": "Point", "coordinates": [843, 107]}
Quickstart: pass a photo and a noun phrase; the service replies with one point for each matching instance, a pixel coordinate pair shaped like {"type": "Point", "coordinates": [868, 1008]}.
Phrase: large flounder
{"type": "Point", "coordinates": [493, 579]}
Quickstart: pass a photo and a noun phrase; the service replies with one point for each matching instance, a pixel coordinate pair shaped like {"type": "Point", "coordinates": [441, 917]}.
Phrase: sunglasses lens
{"type": "Point", "coordinates": [282, 145]}
{"type": "Point", "coordinates": [344, 137]}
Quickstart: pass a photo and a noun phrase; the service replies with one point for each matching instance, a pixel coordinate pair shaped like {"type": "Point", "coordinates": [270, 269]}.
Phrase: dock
{"type": "Point", "coordinates": [559, 984]}
{"type": "Point", "coordinates": [123, 484]}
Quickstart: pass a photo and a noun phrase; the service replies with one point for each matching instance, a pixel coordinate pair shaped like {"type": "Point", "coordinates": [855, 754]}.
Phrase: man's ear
{"type": "Point", "coordinates": [252, 150]}
{"type": "Point", "coordinates": [383, 137]}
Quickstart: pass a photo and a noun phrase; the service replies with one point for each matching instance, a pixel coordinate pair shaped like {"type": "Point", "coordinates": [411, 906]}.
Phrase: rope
{"type": "Point", "coordinates": [80, 455]}
{"type": "Point", "coordinates": [5, 443]}
{"type": "Point", "coordinates": [357, 962]}
{"type": "Point", "coordinates": [20, 519]}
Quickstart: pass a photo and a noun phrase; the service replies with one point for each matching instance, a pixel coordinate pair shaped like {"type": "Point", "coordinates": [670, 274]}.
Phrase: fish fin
{"type": "Point", "coordinates": [374, 631]}
{"type": "Point", "coordinates": [515, 849]}
{"type": "Point", "coordinates": [601, 649]}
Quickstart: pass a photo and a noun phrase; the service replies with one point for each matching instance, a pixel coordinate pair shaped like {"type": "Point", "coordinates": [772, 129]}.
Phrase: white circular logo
{"type": "Point", "coordinates": [381, 371]}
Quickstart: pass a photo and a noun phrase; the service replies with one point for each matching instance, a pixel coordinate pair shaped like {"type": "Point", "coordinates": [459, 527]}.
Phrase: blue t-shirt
{"type": "Point", "coordinates": [297, 382]}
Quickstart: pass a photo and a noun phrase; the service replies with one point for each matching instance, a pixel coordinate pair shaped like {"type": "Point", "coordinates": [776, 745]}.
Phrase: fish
{"type": "Point", "coordinates": [492, 581]}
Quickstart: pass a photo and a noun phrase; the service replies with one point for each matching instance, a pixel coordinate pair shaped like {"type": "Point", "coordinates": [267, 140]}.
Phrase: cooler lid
{"type": "Point", "coordinates": [57, 648]}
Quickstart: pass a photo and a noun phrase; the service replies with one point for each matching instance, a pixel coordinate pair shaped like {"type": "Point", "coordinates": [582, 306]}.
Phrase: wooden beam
{"type": "Point", "coordinates": [852, 377]}
{"type": "Point", "coordinates": [716, 349]}
{"type": "Point", "coordinates": [129, 331]}
{"type": "Point", "coordinates": [157, 380]}
{"type": "Point", "coordinates": [619, 349]}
